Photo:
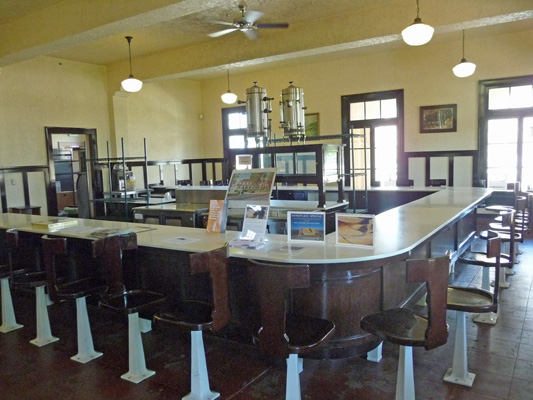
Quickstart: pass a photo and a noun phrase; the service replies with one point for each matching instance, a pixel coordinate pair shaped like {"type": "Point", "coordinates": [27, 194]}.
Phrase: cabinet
{"type": "Point", "coordinates": [317, 164]}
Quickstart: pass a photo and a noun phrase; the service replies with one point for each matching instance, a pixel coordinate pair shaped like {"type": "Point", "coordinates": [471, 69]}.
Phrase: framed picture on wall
{"type": "Point", "coordinates": [435, 119]}
{"type": "Point", "coordinates": [311, 125]}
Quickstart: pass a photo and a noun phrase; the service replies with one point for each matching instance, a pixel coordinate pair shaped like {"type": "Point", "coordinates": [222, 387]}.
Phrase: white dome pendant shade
{"type": "Point", "coordinates": [228, 97]}
{"type": "Point", "coordinates": [417, 33]}
{"type": "Point", "coordinates": [464, 68]}
{"type": "Point", "coordinates": [131, 84]}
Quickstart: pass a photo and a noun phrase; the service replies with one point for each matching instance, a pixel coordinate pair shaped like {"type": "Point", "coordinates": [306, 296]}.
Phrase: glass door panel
{"type": "Point", "coordinates": [502, 149]}
{"type": "Point", "coordinates": [527, 154]}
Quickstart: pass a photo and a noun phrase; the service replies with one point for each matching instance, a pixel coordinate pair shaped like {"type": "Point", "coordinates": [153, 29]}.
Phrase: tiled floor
{"type": "Point", "coordinates": [500, 355]}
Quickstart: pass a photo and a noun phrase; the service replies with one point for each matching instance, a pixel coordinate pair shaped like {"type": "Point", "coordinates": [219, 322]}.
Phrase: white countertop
{"type": "Point", "coordinates": [397, 231]}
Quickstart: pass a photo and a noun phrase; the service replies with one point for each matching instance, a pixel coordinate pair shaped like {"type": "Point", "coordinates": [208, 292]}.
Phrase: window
{"type": "Point", "coordinates": [234, 126]}
{"type": "Point", "coordinates": [372, 153]}
{"type": "Point", "coordinates": [506, 132]}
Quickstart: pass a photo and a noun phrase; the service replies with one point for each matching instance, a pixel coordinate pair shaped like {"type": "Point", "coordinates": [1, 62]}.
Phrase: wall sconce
{"type": "Point", "coordinates": [417, 33]}
{"type": "Point", "coordinates": [228, 97]}
{"type": "Point", "coordinates": [464, 68]}
{"type": "Point", "coordinates": [131, 84]}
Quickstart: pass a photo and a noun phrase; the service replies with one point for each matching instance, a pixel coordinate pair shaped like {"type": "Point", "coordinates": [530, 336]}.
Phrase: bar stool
{"type": "Point", "coordinates": [407, 328]}
{"type": "Point", "coordinates": [31, 278]}
{"type": "Point", "coordinates": [55, 258]}
{"type": "Point", "coordinates": [284, 333]}
{"type": "Point", "coordinates": [9, 322]}
{"type": "Point", "coordinates": [196, 316]}
{"type": "Point", "coordinates": [505, 228]}
{"type": "Point", "coordinates": [507, 233]}
{"type": "Point", "coordinates": [482, 259]}
{"type": "Point", "coordinates": [127, 302]}
{"type": "Point", "coordinates": [473, 300]}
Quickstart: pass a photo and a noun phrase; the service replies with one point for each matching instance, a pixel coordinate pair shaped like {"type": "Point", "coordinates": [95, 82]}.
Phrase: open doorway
{"type": "Point", "coordinates": [74, 179]}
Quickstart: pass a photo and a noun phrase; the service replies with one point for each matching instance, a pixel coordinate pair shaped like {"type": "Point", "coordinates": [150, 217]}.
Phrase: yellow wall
{"type": "Point", "coordinates": [52, 92]}
{"type": "Point", "coordinates": [425, 74]}
{"type": "Point", "coordinates": [48, 92]}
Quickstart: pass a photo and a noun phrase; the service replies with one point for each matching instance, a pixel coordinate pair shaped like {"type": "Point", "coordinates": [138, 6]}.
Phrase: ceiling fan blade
{"type": "Point", "coordinates": [251, 34]}
{"type": "Point", "coordinates": [278, 25]}
{"type": "Point", "coordinates": [252, 16]}
{"type": "Point", "coordinates": [222, 23]}
{"type": "Point", "coordinates": [220, 33]}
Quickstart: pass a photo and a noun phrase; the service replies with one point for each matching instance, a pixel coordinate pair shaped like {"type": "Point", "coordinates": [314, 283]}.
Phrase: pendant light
{"type": "Point", "coordinates": [228, 97]}
{"type": "Point", "coordinates": [417, 33]}
{"type": "Point", "coordinates": [131, 84]}
{"type": "Point", "coordinates": [464, 68]}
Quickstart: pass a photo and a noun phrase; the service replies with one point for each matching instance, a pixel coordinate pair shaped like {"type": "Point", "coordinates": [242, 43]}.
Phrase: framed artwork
{"type": "Point", "coordinates": [435, 119]}
{"type": "Point", "coordinates": [311, 125]}
{"type": "Point", "coordinates": [355, 229]}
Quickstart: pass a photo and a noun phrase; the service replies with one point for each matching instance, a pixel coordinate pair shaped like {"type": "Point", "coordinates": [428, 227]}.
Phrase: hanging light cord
{"type": "Point", "coordinates": [228, 79]}
{"type": "Point", "coordinates": [128, 38]}
{"type": "Point", "coordinates": [417, 9]}
{"type": "Point", "coordinates": [463, 44]}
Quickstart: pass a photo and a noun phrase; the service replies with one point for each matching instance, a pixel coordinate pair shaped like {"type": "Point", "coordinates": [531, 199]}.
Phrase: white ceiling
{"type": "Point", "coordinates": [93, 31]}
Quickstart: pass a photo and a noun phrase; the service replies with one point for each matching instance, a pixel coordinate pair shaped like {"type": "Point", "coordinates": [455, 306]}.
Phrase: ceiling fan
{"type": "Point", "coordinates": [246, 23]}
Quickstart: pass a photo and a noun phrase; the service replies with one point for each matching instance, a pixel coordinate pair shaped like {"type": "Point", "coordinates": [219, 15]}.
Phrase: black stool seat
{"type": "Point", "coordinates": [132, 301]}
{"type": "Point", "coordinates": [81, 288]}
{"type": "Point", "coordinates": [470, 299]}
{"type": "Point", "coordinates": [398, 325]}
{"type": "Point", "coordinates": [304, 334]}
{"type": "Point", "coordinates": [189, 315]}
{"type": "Point", "coordinates": [498, 208]}
{"type": "Point", "coordinates": [481, 259]}
{"type": "Point", "coordinates": [29, 280]}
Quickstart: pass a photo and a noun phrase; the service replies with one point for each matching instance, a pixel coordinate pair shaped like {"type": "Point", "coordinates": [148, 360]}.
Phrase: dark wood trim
{"type": "Point", "coordinates": [24, 170]}
{"type": "Point", "coordinates": [427, 155]}
{"type": "Point", "coordinates": [94, 172]}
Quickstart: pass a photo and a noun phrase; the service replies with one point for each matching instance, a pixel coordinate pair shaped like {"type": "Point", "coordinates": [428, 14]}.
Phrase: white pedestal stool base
{"type": "Point", "coordinates": [137, 363]}
{"type": "Point", "coordinates": [86, 350]}
{"type": "Point", "coordinates": [459, 372]}
{"type": "Point", "coordinates": [405, 383]}
{"type": "Point", "coordinates": [44, 332]}
{"type": "Point", "coordinates": [8, 312]}
{"type": "Point", "coordinates": [199, 379]}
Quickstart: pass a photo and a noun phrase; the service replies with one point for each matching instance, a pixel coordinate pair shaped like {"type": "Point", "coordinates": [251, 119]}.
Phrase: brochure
{"type": "Point", "coordinates": [216, 219]}
{"type": "Point", "coordinates": [55, 224]}
{"type": "Point", "coordinates": [253, 228]}
{"type": "Point", "coordinates": [355, 229]}
{"type": "Point", "coordinates": [306, 226]}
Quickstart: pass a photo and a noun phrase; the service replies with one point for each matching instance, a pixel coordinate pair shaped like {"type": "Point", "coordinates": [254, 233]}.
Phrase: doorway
{"type": "Point", "coordinates": [74, 177]}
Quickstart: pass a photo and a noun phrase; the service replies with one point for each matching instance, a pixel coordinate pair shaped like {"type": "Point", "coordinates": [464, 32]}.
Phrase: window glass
{"type": "Point", "coordinates": [502, 130]}
{"type": "Point", "coordinates": [372, 109]}
{"type": "Point", "coordinates": [236, 142]}
{"type": "Point", "coordinates": [499, 98]}
{"type": "Point", "coordinates": [357, 111]}
{"type": "Point", "coordinates": [522, 96]}
{"type": "Point", "coordinates": [527, 154]}
{"type": "Point", "coordinates": [237, 121]}
{"type": "Point", "coordinates": [388, 108]}
{"type": "Point", "coordinates": [385, 142]}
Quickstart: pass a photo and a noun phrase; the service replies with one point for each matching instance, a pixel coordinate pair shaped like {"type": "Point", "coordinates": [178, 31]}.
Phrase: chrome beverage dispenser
{"type": "Point", "coordinates": [258, 106]}
{"type": "Point", "coordinates": [292, 110]}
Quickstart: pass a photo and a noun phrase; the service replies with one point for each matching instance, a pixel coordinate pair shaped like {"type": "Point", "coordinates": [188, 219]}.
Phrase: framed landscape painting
{"type": "Point", "coordinates": [434, 119]}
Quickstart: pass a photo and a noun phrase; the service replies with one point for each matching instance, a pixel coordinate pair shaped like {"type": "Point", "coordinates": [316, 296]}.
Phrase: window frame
{"type": "Point", "coordinates": [347, 125]}
{"type": "Point", "coordinates": [485, 115]}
